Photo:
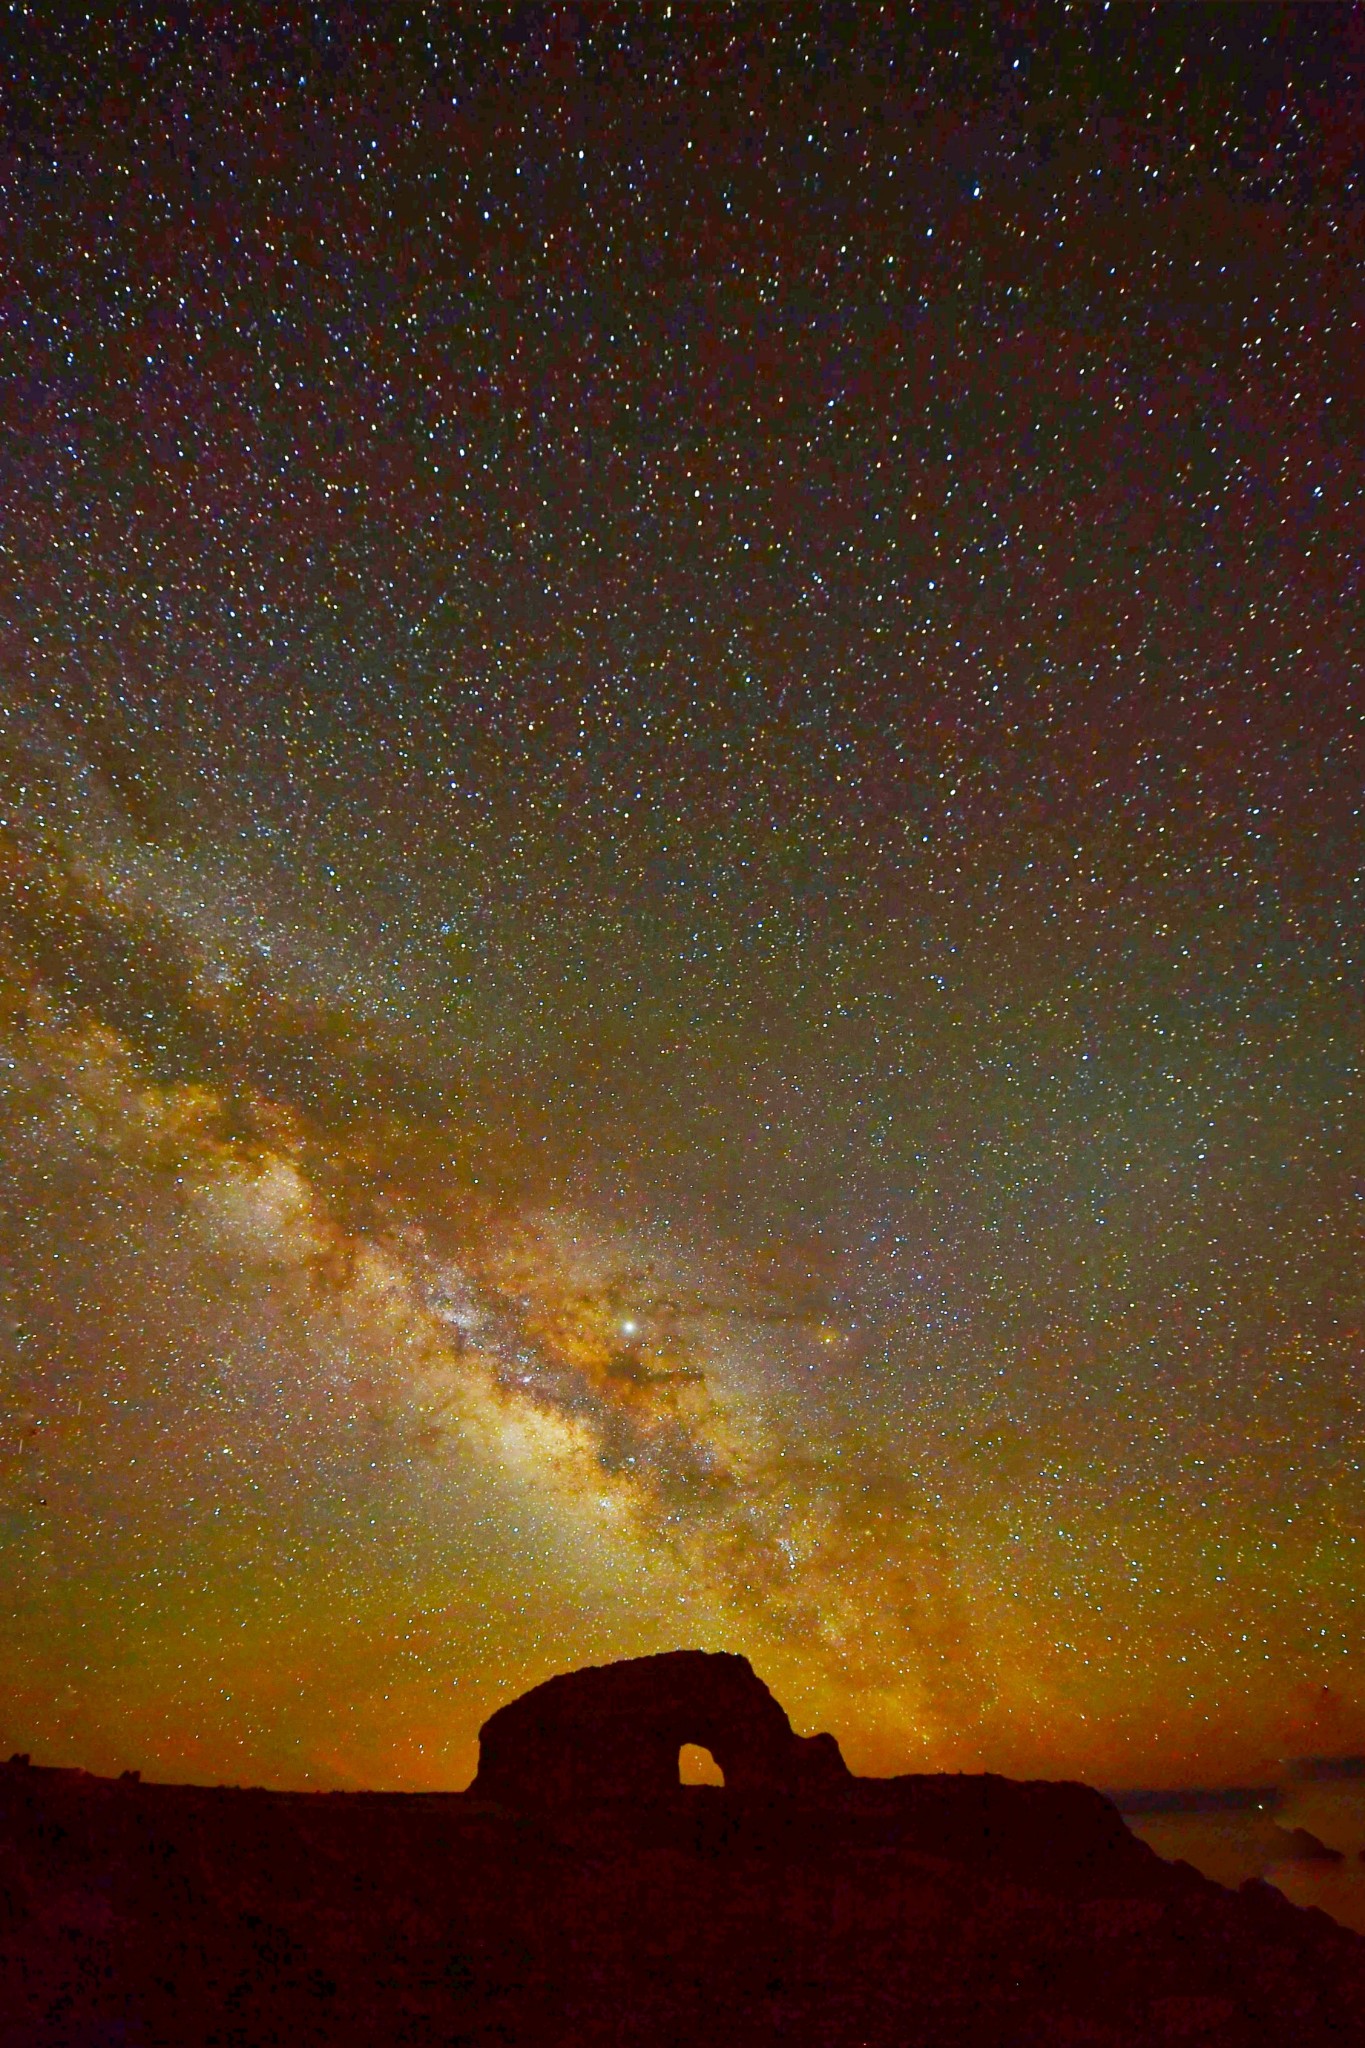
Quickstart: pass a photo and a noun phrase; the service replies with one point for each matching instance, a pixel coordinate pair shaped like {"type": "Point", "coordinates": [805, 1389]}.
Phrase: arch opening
{"type": "Point", "coordinates": [697, 1766]}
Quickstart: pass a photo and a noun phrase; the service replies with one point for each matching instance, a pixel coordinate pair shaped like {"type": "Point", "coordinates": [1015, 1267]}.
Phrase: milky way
{"type": "Point", "coordinates": [680, 854]}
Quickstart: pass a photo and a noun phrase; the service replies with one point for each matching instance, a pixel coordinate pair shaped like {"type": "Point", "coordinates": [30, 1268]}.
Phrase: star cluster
{"type": "Point", "coordinates": [680, 861]}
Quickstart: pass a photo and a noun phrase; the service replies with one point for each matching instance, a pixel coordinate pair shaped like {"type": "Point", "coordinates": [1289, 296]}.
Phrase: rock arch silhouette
{"type": "Point", "coordinates": [614, 1731]}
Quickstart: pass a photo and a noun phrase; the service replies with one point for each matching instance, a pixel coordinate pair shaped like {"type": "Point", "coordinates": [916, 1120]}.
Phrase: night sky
{"type": "Point", "coordinates": [681, 878]}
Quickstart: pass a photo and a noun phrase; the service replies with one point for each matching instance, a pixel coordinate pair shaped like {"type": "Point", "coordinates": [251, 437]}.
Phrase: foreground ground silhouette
{"type": "Point", "coordinates": [577, 1894]}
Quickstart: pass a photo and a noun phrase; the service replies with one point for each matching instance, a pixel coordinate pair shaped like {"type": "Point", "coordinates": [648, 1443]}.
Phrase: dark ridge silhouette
{"type": "Point", "coordinates": [578, 1894]}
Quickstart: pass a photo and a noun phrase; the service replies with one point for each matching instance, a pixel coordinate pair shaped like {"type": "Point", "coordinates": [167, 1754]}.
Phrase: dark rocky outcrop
{"type": "Point", "coordinates": [1299, 1845]}
{"type": "Point", "coordinates": [797, 1907]}
{"type": "Point", "coordinates": [614, 1732]}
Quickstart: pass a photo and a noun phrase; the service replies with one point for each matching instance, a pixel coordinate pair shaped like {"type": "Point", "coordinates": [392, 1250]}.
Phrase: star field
{"type": "Point", "coordinates": [680, 859]}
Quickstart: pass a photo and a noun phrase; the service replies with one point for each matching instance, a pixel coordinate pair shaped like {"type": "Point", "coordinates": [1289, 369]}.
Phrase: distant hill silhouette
{"type": "Point", "coordinates": [577, 1894]}
{"type": "Point", "coordinates": [1200, 1799]}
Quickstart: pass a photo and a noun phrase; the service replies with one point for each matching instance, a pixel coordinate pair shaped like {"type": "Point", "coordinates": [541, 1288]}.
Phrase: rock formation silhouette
{"type": "Point", "coordinates": [578, 1893]}
{"type": "Point", "coordinates": [614, 1732]}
